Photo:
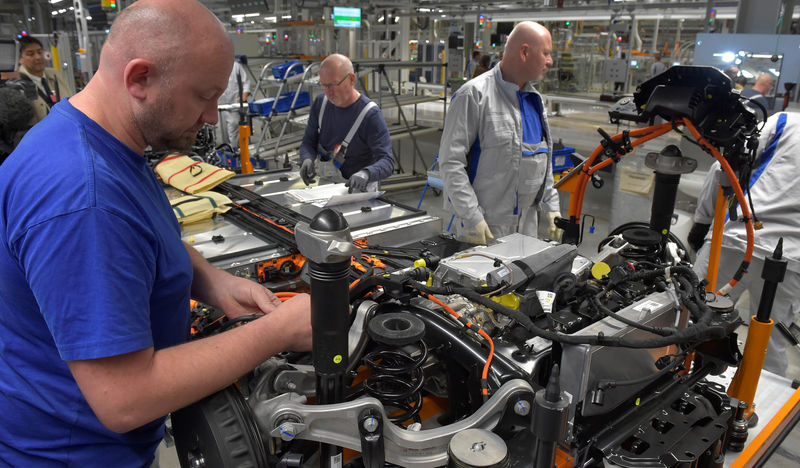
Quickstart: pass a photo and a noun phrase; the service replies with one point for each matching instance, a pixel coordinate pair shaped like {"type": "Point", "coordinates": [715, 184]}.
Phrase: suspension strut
{"type": "Point", "coordinates": [327, 245]}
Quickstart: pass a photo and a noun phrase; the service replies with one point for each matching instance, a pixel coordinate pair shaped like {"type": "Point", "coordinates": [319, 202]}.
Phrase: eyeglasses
{"type": "Point", "coordinates": [329, 86]}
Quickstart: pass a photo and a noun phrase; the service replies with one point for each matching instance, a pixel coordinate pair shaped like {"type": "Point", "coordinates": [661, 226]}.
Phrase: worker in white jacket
{"type": "Point", "coordinates": [495, 152]}
{"type": "Point", "coordinates": [776, 194]}
{"type": "Point", "coordinates": [230, 117]}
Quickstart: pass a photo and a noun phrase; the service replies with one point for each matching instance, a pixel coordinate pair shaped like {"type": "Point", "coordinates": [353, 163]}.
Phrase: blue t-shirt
{"type": "Point", "coordinates": [91, 266]}
{"type": "Point", "coordinates": [370, 148]}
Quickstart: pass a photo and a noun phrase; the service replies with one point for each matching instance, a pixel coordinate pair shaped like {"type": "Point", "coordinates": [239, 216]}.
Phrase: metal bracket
{"type": "Point", "coordinates": [287, 416]}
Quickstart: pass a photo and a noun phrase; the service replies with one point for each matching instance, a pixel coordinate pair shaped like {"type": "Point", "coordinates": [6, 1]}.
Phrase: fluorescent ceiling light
{"type": "Point", "coordinates": [726, 57]}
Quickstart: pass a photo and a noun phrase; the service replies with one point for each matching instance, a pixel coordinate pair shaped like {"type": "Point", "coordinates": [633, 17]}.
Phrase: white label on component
{"type": "Point", "coordinates": [647, 306]}
{"type": "Point", "coordinates": [336, 461]}
{"type": "Point", "coordinates": [538, 344]}
{"type": "Point", "coordinates": [546, 299]}
{"type": "Point", "coordinates": [503, 272]}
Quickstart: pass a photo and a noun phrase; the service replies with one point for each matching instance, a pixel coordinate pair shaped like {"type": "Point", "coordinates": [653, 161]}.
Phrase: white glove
{"type": "Point", "coordinates": [478, 234]}
{"type": "Point", "coordinates": [553, 232]}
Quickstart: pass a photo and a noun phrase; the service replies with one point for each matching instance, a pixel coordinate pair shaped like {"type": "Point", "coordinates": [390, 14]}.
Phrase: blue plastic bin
{"type": "Point", "coordinates": [261, 106]}
{"type": "Point", "coordinates": [264, 106]}
{"type": "Point", "coordinates": [279, 71]}
{"type": "Point", "coordinates": [561, 159]}
{"type": "Point", "coordinates": [285, 101]}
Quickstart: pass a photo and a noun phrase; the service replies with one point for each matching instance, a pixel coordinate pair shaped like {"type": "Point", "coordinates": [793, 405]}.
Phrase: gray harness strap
{"type": "Point", "coordinates": [353, 129]}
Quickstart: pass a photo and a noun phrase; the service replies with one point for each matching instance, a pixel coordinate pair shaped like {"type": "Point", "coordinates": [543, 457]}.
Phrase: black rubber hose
{"type": "Point", "coordinates": [697, 333]}
{"type": "Point", "coordinates": [439, 329]}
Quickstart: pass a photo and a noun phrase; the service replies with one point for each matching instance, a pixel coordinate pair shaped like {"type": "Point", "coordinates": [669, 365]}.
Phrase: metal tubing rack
{"type": "Point", "coordinates": [381, 67]}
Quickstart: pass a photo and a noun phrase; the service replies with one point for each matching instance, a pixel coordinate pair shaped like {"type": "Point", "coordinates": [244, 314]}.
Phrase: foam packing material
{"type": "Point", "coordinates": [193, 208]}
{"type": "Point", "coordinates": [190, 176]}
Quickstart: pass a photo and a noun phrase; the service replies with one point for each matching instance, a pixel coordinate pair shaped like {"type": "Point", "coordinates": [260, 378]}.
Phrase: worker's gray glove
{"type": "Point", "coordinates": [307, 171]}
{"type": "Point", "coordinates": [358, 181]}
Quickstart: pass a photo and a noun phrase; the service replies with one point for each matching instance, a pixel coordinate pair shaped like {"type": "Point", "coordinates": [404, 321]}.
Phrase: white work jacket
{"type": "Point", "coordinates": [775, 193]}
{"type": "Point", "coordinates": [507, 186]}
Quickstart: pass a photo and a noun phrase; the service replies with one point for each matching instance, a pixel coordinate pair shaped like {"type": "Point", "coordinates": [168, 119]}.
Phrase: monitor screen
{"type": "Point", "coordinates": [346, 17]}
{"type": "Point", "coordinates": [8, 55]}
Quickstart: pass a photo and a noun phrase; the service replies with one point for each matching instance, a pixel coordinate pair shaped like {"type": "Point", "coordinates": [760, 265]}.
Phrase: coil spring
{"type": "Point", "coordinates": [396, 379]}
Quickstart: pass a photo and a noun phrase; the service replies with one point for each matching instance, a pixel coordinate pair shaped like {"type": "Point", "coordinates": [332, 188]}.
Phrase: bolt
{"type": "Point", "coordinates": [197, 462]}
{"type": "Point", "coordinates": [522, 407]}
{"type": "Point", "coordinates": [288, 431]}
{"type": "Point", "coordinates": [478, 446]}
{"type": "Point", "coordinates": [370, 424]}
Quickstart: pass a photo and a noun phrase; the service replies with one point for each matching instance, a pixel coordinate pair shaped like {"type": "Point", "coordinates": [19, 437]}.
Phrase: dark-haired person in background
{"type": "Point", "coordinates": [483, 65]}
{"type": "Point", "coordinates": [50, 86]}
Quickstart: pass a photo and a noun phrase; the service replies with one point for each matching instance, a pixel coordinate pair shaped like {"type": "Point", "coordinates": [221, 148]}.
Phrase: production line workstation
{"type": "Point", "coordinates": [429, 352]}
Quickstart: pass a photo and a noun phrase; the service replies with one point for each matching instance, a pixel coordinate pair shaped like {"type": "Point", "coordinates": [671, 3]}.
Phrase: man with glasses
{"type": "Point", "coordinates": [347, 129]}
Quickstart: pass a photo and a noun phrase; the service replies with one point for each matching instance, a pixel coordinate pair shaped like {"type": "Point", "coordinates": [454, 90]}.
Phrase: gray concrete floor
{"type": "Point", "coordinates": [575, 126]}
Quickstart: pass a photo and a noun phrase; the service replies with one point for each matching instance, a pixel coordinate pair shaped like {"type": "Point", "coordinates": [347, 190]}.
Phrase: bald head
{"type": "Point", "coordinates": [338, 80]}
{"type": "Point", "coordinates": [527, 53]}
{"type": "Point", "coordinates": [168, 32]}
{"type": "Point", "coordinates": [337, 63]}
{"type": "Point", "coordinates": [764, 83]}
{"type": "Point", "coordinates": [162, 69]}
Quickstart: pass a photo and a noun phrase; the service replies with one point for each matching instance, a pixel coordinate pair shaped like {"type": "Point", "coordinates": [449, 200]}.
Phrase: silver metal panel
{"type": "Point", "coordinates": [264, 184]}
{"type": "Point", "coordinates": [472, 271]}
{"type": "Point", "coordinates": [583, 366]}
{"type": "Point", "coordinates": [376, 220]}
{"type": "Point", "coordinates": [272, 187]}
{"type": "Point", "coordinates": [401, 233]}
{"type": "Point", "coordinates": [234, 239]}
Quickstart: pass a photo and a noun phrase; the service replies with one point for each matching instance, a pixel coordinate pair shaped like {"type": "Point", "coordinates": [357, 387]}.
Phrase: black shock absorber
{"type": "Point", "coordinates": [668, 165]}
{"type": "Point", "coordinates": [396, 376]}
{"type": "Point", "coordinates": [327, 245]}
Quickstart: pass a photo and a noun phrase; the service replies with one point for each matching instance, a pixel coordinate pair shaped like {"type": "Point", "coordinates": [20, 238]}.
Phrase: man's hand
{"type": "Point", "coordinates": [553, 232]}
{"type": "Point", "coordinates": [479, 234]}
{"type": "Point", "coordinates": [239, 296]}
{"type": "Point", "coordinates": [358, 181]}
{"type": "Point", "coordinates": [298, 309]}
{"type": "Point", "coordinates": [307, 171]}
{"type": "Point", "coordinates": [128, 390]}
